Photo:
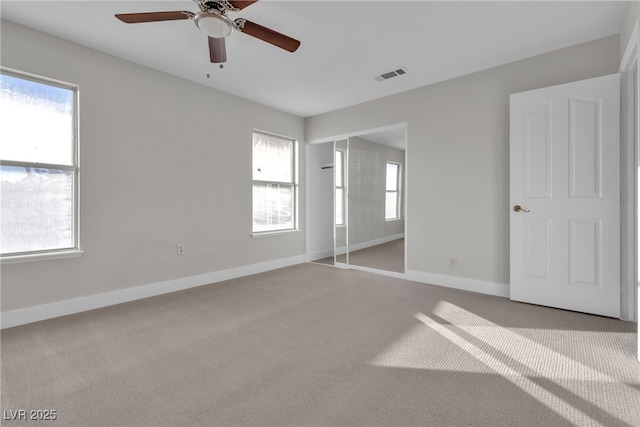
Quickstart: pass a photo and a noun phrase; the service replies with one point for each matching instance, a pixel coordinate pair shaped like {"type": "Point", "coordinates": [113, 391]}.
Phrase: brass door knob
{"type": "Point", "coordinates": [518, 208]}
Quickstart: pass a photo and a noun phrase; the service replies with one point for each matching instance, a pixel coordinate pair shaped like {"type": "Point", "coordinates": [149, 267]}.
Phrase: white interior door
{"type": "Point", "coordinates": [565, 196]}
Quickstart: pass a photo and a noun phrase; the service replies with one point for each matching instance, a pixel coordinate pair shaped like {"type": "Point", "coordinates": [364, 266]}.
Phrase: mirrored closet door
{"type": "Point", "coordinates": [340, 205]}
{"type": "Point", "coordinates": [369, 171]}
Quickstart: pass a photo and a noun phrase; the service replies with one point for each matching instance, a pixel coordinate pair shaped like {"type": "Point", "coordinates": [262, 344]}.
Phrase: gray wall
{"type": "Point", "coordinates": [458, 155]}
{"type": "Point", "coordinates": [163, 161]}
{"type": "Point", "coordinates": [320, 190]}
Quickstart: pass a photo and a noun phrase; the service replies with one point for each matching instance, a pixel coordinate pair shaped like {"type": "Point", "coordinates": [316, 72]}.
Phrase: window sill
{"type": "Point", "coordinates": [15, 259]}
{"type": "Point", "coordinates": [393, 219]}
{"type": "Point", "coordinates": [273, 233]}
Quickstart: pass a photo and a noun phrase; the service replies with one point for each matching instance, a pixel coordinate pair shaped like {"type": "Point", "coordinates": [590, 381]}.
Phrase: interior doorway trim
{"type": "Point", "coordinates": [630, 295]}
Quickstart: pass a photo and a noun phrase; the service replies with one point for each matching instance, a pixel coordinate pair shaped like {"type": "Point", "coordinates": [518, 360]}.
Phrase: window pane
{"type": "Point", "coordinates": [391, 207]}
{"type": "Point", "coordinates": [338, 165]}
{"type": "Point", "coordinates": [37, 121]}
{"type": "Point", "coordinates": [272, 158]}
{"type": "Point", "coordinates": [339, 206]}
{"type": "Point", "coordinates": [36, 209]}
{"type": "Point", "coordinates": [392, 177]}
{"type": "Point", "coordinates": [273, 207]}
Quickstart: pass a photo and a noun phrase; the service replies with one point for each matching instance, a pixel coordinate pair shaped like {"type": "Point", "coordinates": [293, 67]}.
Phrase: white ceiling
{"type": "Point", "coordinates": [344, 43]}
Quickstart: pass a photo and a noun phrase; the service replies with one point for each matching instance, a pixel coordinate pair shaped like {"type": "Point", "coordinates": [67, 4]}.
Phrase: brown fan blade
{"type": "Point", "coordinates": [268, 35]}
{"type": "Point", "coordinates": [135, 18]}
{"type": "Point", "coordinates": [241, 4]}
{"type": "Point", "coordinates": [217, 50]}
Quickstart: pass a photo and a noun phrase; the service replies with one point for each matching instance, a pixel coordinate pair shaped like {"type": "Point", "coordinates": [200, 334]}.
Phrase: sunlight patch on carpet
{"type": "Point", "coordinates": [454, 339]}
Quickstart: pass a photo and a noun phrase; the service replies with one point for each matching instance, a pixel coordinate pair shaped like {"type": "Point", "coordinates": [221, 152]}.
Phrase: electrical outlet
{"type": "Point", "coordinates": [180, 249]}
{"type": "Point", "coordinates": [453, 262]}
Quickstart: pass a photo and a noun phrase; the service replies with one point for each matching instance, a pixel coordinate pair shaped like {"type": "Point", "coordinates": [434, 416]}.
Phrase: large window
{"type": "Point", "coordinates": [392, 202]}
{"type": "Point", "coordinates": [38, 165]}
{"type": "Point", "coordinates": [274, 183]}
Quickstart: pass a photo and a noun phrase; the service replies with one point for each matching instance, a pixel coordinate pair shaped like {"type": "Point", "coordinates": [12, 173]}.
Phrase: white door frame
{"type": "Point", "coordinates": [630, 161]}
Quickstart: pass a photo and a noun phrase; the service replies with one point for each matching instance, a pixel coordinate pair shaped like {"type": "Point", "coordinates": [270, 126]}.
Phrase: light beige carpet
{"type": "Point", "coordinates": [311, 345]}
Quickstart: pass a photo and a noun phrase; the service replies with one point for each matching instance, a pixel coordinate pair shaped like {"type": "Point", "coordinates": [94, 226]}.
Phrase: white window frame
{"type": "Point", "coordinates": [340, 187]}
{"type": "Point", "coordinates": [398, 192]}
{"type": "Point", "coordinates": [293, 184]}
{"type": "Point", "coordinates": [74, 250]}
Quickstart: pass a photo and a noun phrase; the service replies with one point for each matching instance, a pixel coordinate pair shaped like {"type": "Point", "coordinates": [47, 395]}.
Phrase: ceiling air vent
{"type": "Point", "coordinates": [391, 74]}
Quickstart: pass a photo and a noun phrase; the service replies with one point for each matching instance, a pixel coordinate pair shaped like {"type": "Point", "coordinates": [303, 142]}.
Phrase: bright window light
{"type": "Point", "coordinates": [39, 173]}
{"type": "Point", "coordinates": [392, 200]}
{"type": "Point", "coordinates": [274, 183]}
{"type": "Point", "coordinates": [340, 193]}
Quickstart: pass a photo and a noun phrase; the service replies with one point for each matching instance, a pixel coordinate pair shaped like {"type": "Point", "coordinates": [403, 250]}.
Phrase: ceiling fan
{"type": "Point", "coordinates": [214, 21]}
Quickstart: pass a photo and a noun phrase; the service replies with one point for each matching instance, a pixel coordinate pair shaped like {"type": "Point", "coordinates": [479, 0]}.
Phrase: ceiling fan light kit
{"type": "Point", "coordinates": [214, 22]}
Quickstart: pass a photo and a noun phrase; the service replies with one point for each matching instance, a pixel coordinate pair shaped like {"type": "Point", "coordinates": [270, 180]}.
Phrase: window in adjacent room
{"type": "Point", "coordinates": [39, 165]}
{"type": "Point", "coordinates": [274, 183]}
{"type": "Point", "coordinates": [339, 177]}
{"type": "Point", "coordinates": [392, 202]}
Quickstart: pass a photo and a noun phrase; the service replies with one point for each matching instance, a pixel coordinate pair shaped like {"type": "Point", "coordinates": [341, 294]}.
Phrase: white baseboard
{"type": "Point", "coordinates": [77, 305]}
{"type": "Point", "coordinates": [462, 283]}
